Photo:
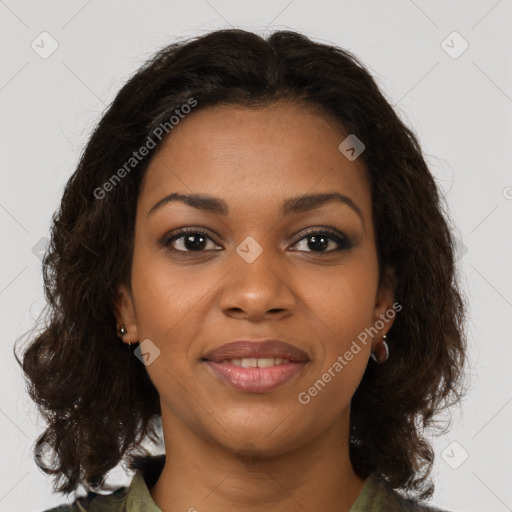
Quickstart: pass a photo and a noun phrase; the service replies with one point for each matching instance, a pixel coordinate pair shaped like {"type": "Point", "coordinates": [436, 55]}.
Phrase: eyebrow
{"type": "Point", "coordinates": [293, 205]}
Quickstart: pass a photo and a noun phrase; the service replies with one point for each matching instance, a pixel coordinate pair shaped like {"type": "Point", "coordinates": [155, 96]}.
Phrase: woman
{"type": "Point", "coordinates": [252, 250]}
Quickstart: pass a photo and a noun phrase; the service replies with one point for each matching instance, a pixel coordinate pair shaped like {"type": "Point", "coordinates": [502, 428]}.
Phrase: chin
{"type": "Point", "coordinates": [251, 452]}
{"type": "Point", "coordinates": [259, 443]}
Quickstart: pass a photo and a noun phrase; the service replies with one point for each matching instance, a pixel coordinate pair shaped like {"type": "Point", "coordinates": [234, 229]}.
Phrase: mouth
{"type": "Point", "coordinates": [256, 366]}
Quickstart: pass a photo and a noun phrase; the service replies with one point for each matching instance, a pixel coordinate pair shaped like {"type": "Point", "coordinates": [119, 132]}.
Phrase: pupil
{"type": "Point", "coordinates": [314, 239]}
{"type": "Point", "coordinates": [191, 246]}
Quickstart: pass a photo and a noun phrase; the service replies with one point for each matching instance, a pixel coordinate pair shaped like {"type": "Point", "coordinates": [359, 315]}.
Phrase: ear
{"type": "Point", "coordinates": [125, 314]}
{"type": "Point", "coordinates": [384, 312]}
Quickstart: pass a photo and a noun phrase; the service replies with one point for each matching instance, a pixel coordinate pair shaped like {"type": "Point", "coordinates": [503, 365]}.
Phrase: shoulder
{"type": "Point", "coordinates": [96, 502]}
{"type": "Point", "coordinates": [136, 496]}
{"type": "Point", "coordinates": [379, 496]}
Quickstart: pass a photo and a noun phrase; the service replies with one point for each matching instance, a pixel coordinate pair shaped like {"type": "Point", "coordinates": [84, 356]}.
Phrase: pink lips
{"type": "Point", "coordinates": [256, 380]}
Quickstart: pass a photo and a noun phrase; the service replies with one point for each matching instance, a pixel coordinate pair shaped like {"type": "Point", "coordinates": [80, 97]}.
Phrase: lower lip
{"type": "Point", "coordinates": [256, 380]}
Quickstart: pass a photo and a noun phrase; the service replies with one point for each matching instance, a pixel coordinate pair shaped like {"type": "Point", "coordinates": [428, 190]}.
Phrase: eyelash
{"type": "Point", "coordinates": [343, 242]}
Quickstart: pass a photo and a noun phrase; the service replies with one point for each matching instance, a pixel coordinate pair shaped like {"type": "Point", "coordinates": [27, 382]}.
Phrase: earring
{"type": "Point", "coordinates": [122, 331]}
{"type": "Point", "coordinates": [381, 352]}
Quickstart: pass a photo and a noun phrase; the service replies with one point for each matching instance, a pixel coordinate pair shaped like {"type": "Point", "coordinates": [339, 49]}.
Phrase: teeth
{"type": "Point", "coordinates": [265, 362]}
{"type": "Point", "coordinates": [253, 362]}
{"type": "Point", "coordinates": [249, 362]}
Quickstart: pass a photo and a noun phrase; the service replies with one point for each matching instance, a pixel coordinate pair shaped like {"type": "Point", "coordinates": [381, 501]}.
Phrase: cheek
{"type": "Point", "coordinates": [342, 307]}
{"type": "Point", "coordinates": [343, 300]}
{"type": "Point", "coordinates": [164, 294]}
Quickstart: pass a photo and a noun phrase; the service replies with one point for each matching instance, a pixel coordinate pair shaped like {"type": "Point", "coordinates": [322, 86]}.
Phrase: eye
{"type": "Point", "coordinates": [319, 239]}
{"type": "Point", "coordinates": [189, 240]}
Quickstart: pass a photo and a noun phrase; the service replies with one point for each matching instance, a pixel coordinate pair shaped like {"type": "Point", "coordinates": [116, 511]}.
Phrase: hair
{"type": "Point", "coordinates": [98, 400]}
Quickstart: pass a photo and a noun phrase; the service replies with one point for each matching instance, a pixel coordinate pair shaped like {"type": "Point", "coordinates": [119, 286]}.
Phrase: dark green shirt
{"type": "Point", "coordinates": [375, 496]}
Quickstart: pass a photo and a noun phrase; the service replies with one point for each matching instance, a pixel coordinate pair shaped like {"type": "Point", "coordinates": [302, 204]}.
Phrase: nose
{"type": "Point", "coordinates": [257, 289]}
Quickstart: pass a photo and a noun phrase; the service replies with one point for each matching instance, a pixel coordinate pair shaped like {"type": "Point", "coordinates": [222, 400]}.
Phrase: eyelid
{"type": "Point", "coordinates": [321, 229]}
{"type": "Point", "coordinates": [180, 232]}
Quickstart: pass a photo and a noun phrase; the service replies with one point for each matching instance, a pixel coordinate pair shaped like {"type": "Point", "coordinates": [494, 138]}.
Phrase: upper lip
{"type": "Point", "coordinates": [241, 349]}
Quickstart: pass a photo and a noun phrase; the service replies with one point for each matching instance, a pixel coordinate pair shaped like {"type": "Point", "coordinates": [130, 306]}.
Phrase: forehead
{"type": "Point", "coordinates": [246, 155]}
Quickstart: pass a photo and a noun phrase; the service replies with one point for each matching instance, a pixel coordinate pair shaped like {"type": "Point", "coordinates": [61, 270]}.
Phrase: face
{"type": "Point", "coordinates": [313, 284]}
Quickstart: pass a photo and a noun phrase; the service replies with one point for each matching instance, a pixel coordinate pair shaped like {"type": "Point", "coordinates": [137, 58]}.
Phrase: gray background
{"type": "Point", "coordinates": [459, 107]}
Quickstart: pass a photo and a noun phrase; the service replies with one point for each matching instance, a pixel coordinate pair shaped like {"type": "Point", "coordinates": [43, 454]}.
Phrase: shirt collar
{"type": "Point", "coordinates": [138, 497]}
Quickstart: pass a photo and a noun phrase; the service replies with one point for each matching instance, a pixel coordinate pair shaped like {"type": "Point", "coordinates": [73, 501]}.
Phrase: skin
{"type": "Point", "coordinates": [227, 449]}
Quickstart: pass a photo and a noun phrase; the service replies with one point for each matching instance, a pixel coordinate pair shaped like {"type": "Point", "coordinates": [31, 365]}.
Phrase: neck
{"type": "Point", "coordinates": [201, 474]}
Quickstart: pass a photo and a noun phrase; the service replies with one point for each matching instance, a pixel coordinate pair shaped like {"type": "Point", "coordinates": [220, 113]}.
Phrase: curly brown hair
{"type": "Point", "coordinates": [98, 400]}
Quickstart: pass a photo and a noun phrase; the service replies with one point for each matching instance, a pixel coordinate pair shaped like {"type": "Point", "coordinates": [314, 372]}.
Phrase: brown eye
{"type": "Point", "coordinates": [190, 240]}
{"type": "Point", "coordinates": [318, 240]}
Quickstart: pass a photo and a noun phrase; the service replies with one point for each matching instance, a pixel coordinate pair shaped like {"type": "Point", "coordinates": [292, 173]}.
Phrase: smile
{"type": "Point", "coordinates": [256, 375]}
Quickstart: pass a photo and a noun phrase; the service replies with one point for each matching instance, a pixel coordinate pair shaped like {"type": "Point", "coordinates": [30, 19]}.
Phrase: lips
{"type": "Point", "coordinates": [256, 366]}
{"type": "Point", "coordinates": [243, 349]}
